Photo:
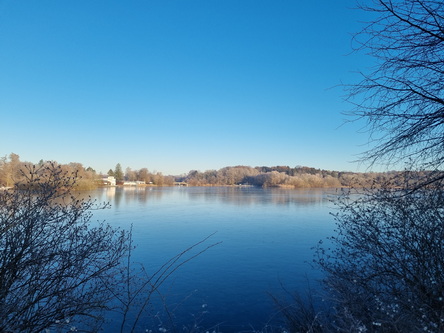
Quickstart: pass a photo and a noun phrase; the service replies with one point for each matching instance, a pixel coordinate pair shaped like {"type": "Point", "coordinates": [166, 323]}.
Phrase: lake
{"type": "Point", "coordinates": [266, 238]}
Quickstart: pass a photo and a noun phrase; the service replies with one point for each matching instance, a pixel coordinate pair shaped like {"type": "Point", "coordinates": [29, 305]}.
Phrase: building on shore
{"type": "Point", "coordinates": [109, 180]}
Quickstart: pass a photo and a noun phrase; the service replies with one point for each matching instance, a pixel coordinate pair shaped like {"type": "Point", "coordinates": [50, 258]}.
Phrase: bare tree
{"type": "Point", "coordinates": [56, 267]}
{"type": "Point", "coordinates": [402, 99]}
{"type": "Point", "coordinates": [10, 170]}
{"type": "Point", "coordinates": [130, 175]}
{"type": "Point", "coordinates": [59, 270]}
{"type": "Point", "coordinates": [385, 267]}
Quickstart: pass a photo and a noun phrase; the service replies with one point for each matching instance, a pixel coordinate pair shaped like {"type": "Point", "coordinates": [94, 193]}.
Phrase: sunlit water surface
{"type": "Point", "coordinates": [266, 239]}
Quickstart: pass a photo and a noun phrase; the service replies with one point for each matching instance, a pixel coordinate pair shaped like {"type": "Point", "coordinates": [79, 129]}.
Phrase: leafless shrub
{"type": "Point", "coordinates": [385, 266]}
{"type": "Point", "coordinates": [59, 270]}
{"type": "Point", "coordinates": [301, 312]}
{"type": "Point", "coordinates": [54, 262]}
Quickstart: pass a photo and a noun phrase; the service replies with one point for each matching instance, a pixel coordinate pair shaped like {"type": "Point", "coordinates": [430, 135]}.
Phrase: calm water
{"type": "Point", "coordinates": [266, 238]}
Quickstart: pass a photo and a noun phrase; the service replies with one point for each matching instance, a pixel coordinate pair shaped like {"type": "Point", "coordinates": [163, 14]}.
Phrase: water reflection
{"type": "Point", "coordinates": [267, 237]}
{"type": "Point", "coordinates": [240, 196]}
{"type": "Point", "coordinates": [258, 196]}
{"type": "Point", "coordinates": [115, 195]}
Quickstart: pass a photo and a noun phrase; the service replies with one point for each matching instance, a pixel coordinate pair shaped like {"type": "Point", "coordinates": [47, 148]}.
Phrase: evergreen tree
{"type": "Point", "coordinates": [118, 172]}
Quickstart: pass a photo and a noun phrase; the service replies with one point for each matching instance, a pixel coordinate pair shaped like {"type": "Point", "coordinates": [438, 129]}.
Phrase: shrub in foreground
{"type": "Point", "coordinates": [56, 267]}
{"type": "Point", "coordinates": [385, 267]}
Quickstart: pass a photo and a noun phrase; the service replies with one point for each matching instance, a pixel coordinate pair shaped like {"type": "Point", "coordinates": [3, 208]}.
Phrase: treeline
{"type": "Point", "coordinates": [283, 176]}
{"type": "Point", "coordinates": [13, 171]}
{"type": "Point", "coordinates": [278, 176]}
{"type": "Point", "coordinates": [143, 175]}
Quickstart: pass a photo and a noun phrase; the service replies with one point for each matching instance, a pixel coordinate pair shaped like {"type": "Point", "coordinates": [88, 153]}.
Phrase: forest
{"type": "Point", "coordinates": [261, 176]}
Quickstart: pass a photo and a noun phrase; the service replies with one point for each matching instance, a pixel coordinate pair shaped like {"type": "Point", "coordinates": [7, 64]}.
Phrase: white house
{"type": "Point", "coordinates": [109, 180]}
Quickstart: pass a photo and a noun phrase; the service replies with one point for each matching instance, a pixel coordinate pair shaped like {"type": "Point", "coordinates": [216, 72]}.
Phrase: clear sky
{"type": "Point", "coordinates": [179, 85]}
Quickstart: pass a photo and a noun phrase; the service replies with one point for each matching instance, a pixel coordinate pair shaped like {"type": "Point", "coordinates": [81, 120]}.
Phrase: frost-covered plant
{"type": "Point", "coordinates": [56, 267]}
{"type": "Point", "coordinates": [385, 266]}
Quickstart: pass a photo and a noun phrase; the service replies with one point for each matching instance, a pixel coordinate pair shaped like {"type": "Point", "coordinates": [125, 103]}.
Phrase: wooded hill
{"type": "Point", "coordinates": [278, 176]}
{"type": "Point", "coordinates": [282, 176]}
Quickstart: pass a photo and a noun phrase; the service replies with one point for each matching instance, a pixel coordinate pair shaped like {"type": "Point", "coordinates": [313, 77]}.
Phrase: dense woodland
{"type": "Point", "coordinates": [11, 168]}
{"type": "Point", "coordinates": [280, 176]}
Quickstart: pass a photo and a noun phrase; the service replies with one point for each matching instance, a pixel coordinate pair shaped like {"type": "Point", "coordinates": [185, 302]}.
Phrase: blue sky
{"type": "Point", "coordinates": [179, 85]}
